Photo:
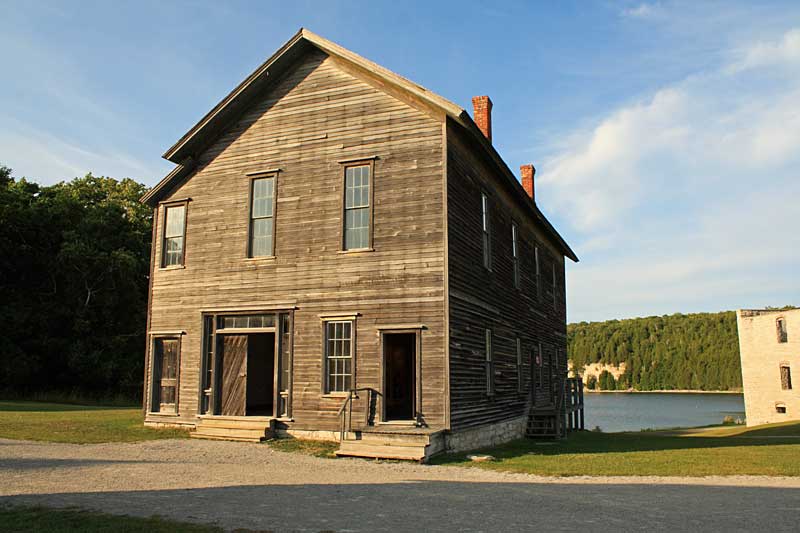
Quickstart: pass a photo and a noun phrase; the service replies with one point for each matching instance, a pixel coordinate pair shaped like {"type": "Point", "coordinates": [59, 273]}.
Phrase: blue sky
{"type": "Point", "coordinates": [666, 135]}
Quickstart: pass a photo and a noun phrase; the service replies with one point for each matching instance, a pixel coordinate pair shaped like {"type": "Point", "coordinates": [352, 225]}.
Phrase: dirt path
{"type": "Point", "coordinates": [252, 486]}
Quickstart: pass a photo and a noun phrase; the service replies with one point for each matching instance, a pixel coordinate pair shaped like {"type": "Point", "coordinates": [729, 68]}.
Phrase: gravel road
{"type": "Point", "coordinates": [239, 485]}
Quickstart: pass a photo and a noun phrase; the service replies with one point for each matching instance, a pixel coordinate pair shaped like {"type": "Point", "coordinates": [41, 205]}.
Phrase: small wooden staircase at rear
{"type": "Point", "coordinates": [237, 428]}
{"type": "Point", "coordinates": [390, 443]}
{"type": "Point", "coordinates": [544, 422]}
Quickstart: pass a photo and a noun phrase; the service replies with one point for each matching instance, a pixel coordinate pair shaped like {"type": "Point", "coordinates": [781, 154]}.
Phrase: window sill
{"type": "Point", "coordinates": [335, 395]}
{"type": "Point", "coordinates": [172, 267]}
{"type": "Point", "coordinates": [356, 251]}
{"type": "Point", "coordinates": [261, 258]}
{"type": "Point", "coordinates": [159, 415]}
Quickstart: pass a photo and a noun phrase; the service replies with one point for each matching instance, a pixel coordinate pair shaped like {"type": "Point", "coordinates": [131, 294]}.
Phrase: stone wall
{"type": "Point", "coordinates": [485, 436]}
{"type": "Point", "coordinates": [762, 357]}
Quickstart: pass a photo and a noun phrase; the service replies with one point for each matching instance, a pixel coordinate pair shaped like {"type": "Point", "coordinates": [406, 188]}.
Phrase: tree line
{"type": "Point", "coordinates": [74, 267]}
{"type": "Point", "coordinates": [672, 352]}
{"type": "Point", "coordinates": [74, 260]}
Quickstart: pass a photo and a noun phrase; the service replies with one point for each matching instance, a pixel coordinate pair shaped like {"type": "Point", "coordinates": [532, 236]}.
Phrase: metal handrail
{"type": "Point", "coordinates": [345, 413]}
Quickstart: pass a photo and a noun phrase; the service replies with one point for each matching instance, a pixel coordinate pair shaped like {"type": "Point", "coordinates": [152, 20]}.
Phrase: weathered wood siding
{"type": "Point", "coordinates": [479, 298]}
{"type": "Point", "coordinates": [317, 115]}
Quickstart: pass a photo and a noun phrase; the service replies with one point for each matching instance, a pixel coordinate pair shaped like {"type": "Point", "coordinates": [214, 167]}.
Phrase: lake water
{"type": "Point", "coordinates": [632, 412]}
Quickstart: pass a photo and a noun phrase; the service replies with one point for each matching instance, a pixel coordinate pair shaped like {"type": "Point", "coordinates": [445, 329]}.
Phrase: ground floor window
{"type": "Point", "coordinates": [339, 351]}
{"type": "Point", "coordinates": [489, 362]}
{"type": "Point", "coordinates": [166, 360]}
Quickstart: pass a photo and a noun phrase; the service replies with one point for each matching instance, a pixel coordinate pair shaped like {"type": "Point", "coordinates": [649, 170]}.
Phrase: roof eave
{"type": "Point", "coordinates": [466, 121]}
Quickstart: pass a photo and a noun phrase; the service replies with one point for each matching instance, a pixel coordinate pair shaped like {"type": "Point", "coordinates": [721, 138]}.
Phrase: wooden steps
{"type": "Point", "coordinates": [360, 448]}
{"type": "Point", "coordinates": [410, 444]}
{"type": "Point", "coordinates": [235, 428]}
{"type": "Point", "coordinates": [543, 422]}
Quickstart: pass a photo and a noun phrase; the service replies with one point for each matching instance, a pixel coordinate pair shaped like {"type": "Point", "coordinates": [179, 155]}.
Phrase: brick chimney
{"type": "Point", "coordinates": [527, 172]}
{"type": "Point", "coordinates": [482, 114]}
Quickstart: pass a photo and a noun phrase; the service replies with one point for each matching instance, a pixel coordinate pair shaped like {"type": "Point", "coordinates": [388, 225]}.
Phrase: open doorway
{"type": "Point", "coordinates": [400, 358]}
{"type": "Point", "coordinates": [248, 374]}
{"type": "Point", "coordinates": [260, 374]}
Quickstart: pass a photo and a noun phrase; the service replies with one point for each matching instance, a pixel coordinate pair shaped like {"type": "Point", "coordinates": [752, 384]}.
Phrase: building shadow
{"type": "Point", "coordinates": [452, 506]}
{"type": "Point", "coordinates": [52, 464]}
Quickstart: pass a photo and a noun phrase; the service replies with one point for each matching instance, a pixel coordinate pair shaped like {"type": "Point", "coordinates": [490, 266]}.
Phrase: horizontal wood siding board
{"type": "Point", "coordinates": [480, 299]}
{"type": "Point", "coordinates": [316, 116]}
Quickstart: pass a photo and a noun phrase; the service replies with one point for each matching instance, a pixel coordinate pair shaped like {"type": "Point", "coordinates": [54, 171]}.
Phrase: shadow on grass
{"type": "Point", "coordinates": [587, 442]}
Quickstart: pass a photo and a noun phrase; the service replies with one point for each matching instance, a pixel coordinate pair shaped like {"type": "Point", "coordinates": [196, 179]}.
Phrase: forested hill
{"type": "Point", "coordinates": [696, 351]}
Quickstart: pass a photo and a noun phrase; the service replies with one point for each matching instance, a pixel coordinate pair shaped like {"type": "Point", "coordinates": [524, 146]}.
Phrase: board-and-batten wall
{"type": "Point", "coordinates": [317, 115]}
{"type": "Point", "coordinates": [481, 299]}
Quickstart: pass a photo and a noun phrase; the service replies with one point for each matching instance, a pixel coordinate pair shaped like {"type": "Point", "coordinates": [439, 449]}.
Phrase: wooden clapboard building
{"type": "Point", "coordinates": [340, 253]}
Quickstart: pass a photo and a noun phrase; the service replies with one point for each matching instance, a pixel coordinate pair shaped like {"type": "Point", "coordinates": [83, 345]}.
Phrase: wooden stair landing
{"type": "Point", "coordinates": [407, 444]}
{"type": "Point", "coordinates": [236, 428]}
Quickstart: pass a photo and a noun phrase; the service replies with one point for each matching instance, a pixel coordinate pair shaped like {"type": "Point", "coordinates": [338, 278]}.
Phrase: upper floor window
{"type": "Point", "coordinates": [174, 233]}
{"type": "Point", "coordinates": [783, 335]}
{"type": "Point", "coordinates": [339, 349]}
{"type": "Point", "coordinates": [487, 242]}
{"type": "Point", "coordinates": [357, 207]}
{"type": "Point", "coordinates": [489, 363]}
{"type": "Point", "coordinates": [262, 217]}
{"type": "Point", "coordinates": [538, 273]}
{"type": "Point", "coordinates": [555, 292]}
{"type": "Point", "coordinates": [515, 253]}
{"type": "Point", "coordinates": [786, 377]}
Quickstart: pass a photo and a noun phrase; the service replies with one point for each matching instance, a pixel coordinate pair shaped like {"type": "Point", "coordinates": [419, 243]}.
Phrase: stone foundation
{"type": "Point", "coordinates": [485, 436]}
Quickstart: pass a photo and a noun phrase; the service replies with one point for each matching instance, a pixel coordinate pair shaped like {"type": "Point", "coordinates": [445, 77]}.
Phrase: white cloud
{"type": "Point", "coordinates": [783, 51]}
{"type": "Point", "coordinates": [643, 11]}
{"type": "Point", "coordinates": [689, 195]}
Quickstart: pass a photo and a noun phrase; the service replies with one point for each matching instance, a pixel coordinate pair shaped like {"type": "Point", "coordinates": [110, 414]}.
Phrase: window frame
{"type": "Point", "coordinates": [326, 388]}
{"type": "Point", "coordinates": [538, 272]}
{"type": "Point", "coordinates": [520, 368]}
{"type": "Point", "coordinates": [488, 348]}
{"type": "Point", "coordinates": [166, 207]}
{"type": "Point", "coordinates": [352, 163]}
{"type": "Point", "coordinates": [154, 340]}
{"type": "Point", "coordinates": [554, 288]}
{"type": "Point", "coordinates": [781, 330]}
{"type": "Point", "coordinates": [486, 230]}
{"type": "Point", "coordinates": [786, 384]}
{"type": "Point", "coordinates": [271, 174]}
{"type": "Point", "coordinates": [515, 253]}
{"type": "Point", "coordinates": [540, 366]}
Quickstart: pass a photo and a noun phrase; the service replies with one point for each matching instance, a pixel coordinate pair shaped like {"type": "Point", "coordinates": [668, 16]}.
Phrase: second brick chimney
{"type": "Point", "coordinates": [482, 114]}
{"type": "Point", "coordinates": [527, 172]}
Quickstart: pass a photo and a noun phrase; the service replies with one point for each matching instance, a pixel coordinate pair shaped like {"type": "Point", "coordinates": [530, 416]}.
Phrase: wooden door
{"type": "Point", "coordinates": [233, 396]}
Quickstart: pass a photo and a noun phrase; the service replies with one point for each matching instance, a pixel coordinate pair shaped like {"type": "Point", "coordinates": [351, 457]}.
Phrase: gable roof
{"type": "Point", "coordinates": [209, 127]}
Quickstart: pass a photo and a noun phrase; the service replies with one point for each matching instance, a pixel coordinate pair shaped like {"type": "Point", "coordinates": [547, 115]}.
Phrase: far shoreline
{"type": "Point", "coordinates": [682, 391]}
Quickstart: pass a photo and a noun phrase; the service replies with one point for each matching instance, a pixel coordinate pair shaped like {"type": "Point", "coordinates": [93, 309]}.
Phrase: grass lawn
{"type": "Point", "coordinates": [80, 424]}
{"type": "Point", "coordinates": [770, 450]}
{"type": "Point", "coordinates": [36, 519]}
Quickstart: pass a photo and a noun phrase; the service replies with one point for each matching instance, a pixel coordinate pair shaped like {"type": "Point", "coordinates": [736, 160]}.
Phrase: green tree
{"type": "Point", "coordinates": [73, 285]}
{"type": "Point", "coordinates": [679, 351]}
{"type": "Point", "coordinates": [607, 381]}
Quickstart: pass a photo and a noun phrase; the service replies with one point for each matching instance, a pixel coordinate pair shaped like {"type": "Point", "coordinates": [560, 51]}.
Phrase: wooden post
{"type": "Point", "coordinates": [580, 390]}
